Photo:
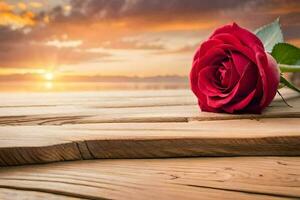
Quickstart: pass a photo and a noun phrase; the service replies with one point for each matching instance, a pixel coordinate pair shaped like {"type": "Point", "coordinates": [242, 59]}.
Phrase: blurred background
{"type": "Point", "coordinates": [84, 45]}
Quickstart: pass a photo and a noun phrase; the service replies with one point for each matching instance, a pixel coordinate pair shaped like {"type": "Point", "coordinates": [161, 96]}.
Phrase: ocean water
{"type": "Point", "coordinates": [87, 86]}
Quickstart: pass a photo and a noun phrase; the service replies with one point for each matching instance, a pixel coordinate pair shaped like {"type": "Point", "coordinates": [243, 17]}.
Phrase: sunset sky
{"type": "Point", "coordinates": [123, 37]}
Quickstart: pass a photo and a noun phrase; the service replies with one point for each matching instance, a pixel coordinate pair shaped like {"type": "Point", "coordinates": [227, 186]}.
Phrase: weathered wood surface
{"type": "Point", "coordinates": [39, 144]}
{"type": "Point", "coordinates": [42, 128]}
{"type": "Point", "coordinates": [16, 194]}
{"type": "Point", "coordinates": [116, 107]}
{"type": "Point", "coordinates": [185, 178]}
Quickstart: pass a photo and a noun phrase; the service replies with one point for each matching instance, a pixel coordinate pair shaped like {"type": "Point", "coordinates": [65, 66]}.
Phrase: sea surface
{"type": "Point", "coordinates": [49, 86]}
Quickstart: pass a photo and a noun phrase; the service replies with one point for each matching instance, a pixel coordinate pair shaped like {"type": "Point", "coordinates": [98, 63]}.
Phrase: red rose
{"type": "Point", "coordinates": [232, 73]}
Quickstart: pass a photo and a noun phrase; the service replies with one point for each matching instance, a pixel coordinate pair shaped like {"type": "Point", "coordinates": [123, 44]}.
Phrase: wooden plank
{"type": "Point", "coordinates": [177, 106]}
{"type": "Point", "coordinates": [189, 178]}
{"type": "Point", "coordinates": [58, 127]}
{"type": "Point", "coordinates": [108, 99]}
{"type": "Point", "coordinates": [42, 144]}
{"type": "Point", "coordinates": [100, 99]}
{"type": "Point", "coordinates": [9, 194]}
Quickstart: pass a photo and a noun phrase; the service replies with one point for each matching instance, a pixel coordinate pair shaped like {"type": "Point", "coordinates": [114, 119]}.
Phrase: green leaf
{"type": "Point", "coordinates": [286, 54]}
{"type": "Point", "coordinates": [288, 84]}
{"type": "Point", "coordinates": [270, 35]}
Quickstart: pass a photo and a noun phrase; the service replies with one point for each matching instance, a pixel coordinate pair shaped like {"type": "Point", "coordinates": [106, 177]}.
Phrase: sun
{"type": "Point", "coordinates": [48, 76]}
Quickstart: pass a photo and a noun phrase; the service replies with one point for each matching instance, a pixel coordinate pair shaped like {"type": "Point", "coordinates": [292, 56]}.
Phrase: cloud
{"type": "Point", "coordinates": [27, 54]}
{"type": "Point", "coordinates": [190, 49]}
{"type": "Point", "coordinates": [35, 34]}
{"type": "Point", "coordinates": [8, 16]}
{"type": "Point", "coordinates": [102, 20]}
{"type": "Point", "coordinates": [133, 8]}
{"type": "Point", "coordinates": [132, 44]}
{"type": "Point", "coordinates": [64, 43]}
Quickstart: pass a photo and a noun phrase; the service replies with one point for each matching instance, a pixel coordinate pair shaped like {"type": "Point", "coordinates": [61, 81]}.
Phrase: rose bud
{"type": "Point", "coordinates": [232, 73]}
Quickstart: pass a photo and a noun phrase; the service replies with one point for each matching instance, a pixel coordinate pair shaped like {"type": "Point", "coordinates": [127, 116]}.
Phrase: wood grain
{"type": "Point", "coordinates": [189, 178]}
{"type": "Point", "coordinates": [134, 107]}
{"type": "Point", "coordinates": [43, 144]}
{"type": "Point", "coordinates": [48, 127]}
{"type": "Point", "coordinates": [19, 194]}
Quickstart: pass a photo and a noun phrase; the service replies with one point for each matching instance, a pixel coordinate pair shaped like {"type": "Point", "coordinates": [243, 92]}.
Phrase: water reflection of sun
{"type": "Point", "coordinates": [48, 76]}
{"type": "Point", "coordinates": [49, 85]}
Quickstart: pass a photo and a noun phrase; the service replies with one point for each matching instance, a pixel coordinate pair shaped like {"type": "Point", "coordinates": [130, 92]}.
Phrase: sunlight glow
{"type": "Point", "coordinates": [49, 85]}
{"type": "Point", "coordinates": [49, 76]}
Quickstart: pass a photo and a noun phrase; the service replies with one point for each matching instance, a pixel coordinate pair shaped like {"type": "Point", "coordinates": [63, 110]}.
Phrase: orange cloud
{"type": "Point", "coordinates": [17, 21]}
{"type": "Point", "coordinates": [5, 7]}
{"type": "Point", "coordinates": [164, 32]}
{"type": "Point", "coordinates": [295, 41]}
{"type": "Point", "coordinates": [13, 19]}
{"type": "Point", "coordinates": [182, 25]}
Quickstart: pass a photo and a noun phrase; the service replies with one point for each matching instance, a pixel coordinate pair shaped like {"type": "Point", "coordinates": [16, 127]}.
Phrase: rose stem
{"type": "Point", "coordinates": [288, 84]}
{"type": "Point", "coordinates": [289, 68]}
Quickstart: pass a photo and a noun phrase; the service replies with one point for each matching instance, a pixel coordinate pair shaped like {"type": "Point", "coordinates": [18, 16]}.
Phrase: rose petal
{"type": "Point", "coordinates": [250, 77]}
{"type": "Point", "coordinates": [234, 75]}
{"type": "Point", "coordinates": [226, 48]}
{"type": "Point", "coordinates": [194, 78]}
{"type": "Point", "coordinates": [240, 62]}
{"type": "Point", "coordinates": [262, 62]}
{"type": "Point", "coordinates": [207, 81]}
{"type": "Point", "coordinates": [254, 106]}
{"type": "Point", "coordinates": [202, 101]}
{"type": "Point", "coordinates": [245, 85]}
{"type": "Point", "coordinates": [270, 77]}
{"type": "Point", "coordinates": [224, 74]}
{"type": "Point", "coordinates": [206, 46]}
{"type": "Point", "coordinates": [226, 38]}
{"type": "Point", "coordinates": [241, 104]}
{"type": "Point", "coordinates": [245, 36]}
{"type": "Point", "coordinates": [215, 55]}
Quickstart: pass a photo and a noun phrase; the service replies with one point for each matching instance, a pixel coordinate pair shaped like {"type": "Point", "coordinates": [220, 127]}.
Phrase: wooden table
{"type": "Point", "coordinates": [194, 155]}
